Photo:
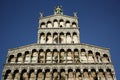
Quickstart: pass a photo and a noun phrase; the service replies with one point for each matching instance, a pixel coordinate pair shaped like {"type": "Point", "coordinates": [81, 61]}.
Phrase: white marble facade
{"type": "Point", "coordinates": [58, 54]}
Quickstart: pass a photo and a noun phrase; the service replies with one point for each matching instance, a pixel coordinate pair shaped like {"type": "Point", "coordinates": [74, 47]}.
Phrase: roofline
{"type": "Point", "coordinates": [95, 46]}
{"type": "Point", "coordinates": [58, 15]}
{"type": "Point", "coordinates": [22, 46]}
{"type": "Point", "coordinates": [59, 44]}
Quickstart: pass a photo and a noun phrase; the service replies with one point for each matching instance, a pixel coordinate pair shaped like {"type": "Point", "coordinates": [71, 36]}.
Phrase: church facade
{"type": "Point", "coordinates": [58, 54]}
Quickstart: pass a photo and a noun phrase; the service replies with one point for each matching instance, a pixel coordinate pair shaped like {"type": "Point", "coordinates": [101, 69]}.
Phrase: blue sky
{"type": "Point", "coordinates": [99, 22]}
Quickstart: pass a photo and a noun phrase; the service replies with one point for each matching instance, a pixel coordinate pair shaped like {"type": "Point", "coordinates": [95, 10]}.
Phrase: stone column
{"type": "Point", "coordinates": [45, 56]}
{"type": "Point", "coordinates": [52, 37]}
{"type": "Point", "coordinates": [73, 57]}
{"type": "Point", "coordinates": [51, 75]}
{"type": "Point", "coordinates": [66, 76]}
{"type": "Point", "coordinates": [45, 37]}
{"type": "Point", "coordinates": [58, 38]}
{"type": "Point", "coordinates": [58, 74]}
{"type": "Point", "coordinates": [28, 70]}
{"type": "Point", "coordinates": [72, 39]}
{"type": "Point", "coordinates": [95, 60]}
{"type": "Point", "coordinates": [82, 74]}
{"type": "Point", "coordinates": [52, 57]}
{"type": "Point", "coordinates": [35, 74]}
{"type": "Point", "coordinates": [97, 74]}
{"type": "Point", "coordinates": [79, 55]}
{"type": "Point", "coordinates": [59, 57]}
{"type": "Point", "coordinates": [43, 76]}
{"type": "Point", "coordinates": [43, 71]}
{"type": "Point", "coordinates": [30, 57]}
{"type": "Point", "coordinates": [74, 74]}
{"type": "Point", "coordinates": [86, 53]}
{"type": "Point", "coordinates": [66, 56]}
{"type": "Point", "coordinates": [15, 58]}
{"type": "Point", "coordinates": [58, 24]}
{"type": "Point", "coordinates": [66, 38]}
{"type": "Point", "coordinates": [114, 77]}
{"type": "Point", "coordinates": [38, 38]}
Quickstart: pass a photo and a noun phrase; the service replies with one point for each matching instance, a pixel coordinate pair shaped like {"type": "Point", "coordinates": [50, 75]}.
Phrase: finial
{"type": "Point", "coordinates": [58, 10]}
{"type": "Point", "coordinates": [41, 14]}
{"type": "Point", "coordinates": [75, 14]}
